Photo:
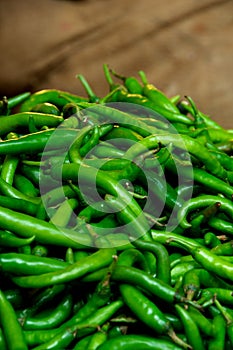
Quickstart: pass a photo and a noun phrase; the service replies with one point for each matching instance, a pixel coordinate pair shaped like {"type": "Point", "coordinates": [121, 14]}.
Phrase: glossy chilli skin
{"type": "Point", "coordinates": [11, 328]}
{"type": "Point", "coordinates": [115, 224]}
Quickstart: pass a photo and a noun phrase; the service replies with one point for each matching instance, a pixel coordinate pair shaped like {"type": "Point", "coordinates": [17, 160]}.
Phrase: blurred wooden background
{"type": "Point", "coordinates": [184, 46]}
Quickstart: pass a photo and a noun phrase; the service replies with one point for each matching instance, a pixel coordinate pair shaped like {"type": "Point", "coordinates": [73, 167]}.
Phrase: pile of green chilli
{"type": "Point", "coordinates": [116, 221]}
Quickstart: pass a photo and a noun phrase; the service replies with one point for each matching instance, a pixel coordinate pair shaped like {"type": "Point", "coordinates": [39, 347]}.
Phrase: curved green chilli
{"type": "Point", "coordinates": [157, 96]}
{"type": "Point", "coordinates": [8, 190]}
{"type": "Point", "coordinates": [11, 328]}
{"type": "Point", "coordinates": [221, 225]}
{"type": "Point", "coordinates": [146, 281]}
{"type": "Point", "coordinates": [24, 185]}
{"type": "Point", "coordinates": [44, 232]}
{"type": "Point", "coordinates": [162, 258]}
{"type": "Point", "coordinates": [95, 261]}
{"type": "Point", "coordinates": [47, 108]}
{"type": "Point", "coordinates": [60, 338]}
{"type": "Point", "coordinates": [191, 330]}
{"type": "Point", "coordinates": [184, 142]}
{"type": "Point", "coordinates": [149, 313]}
{"type": "Point", "coordinates": [219, 333]}
{"type": "Point", "coordinates": [201, 254]}
{"type": "Point", "coordinates": [137, 99]}
{"type": "Point", "coordinates": [209, 181]}
{"type": "Point", "coordinates": [85, 174]}
{"type": "Point", "coordinates": [21, 120]}
{"type": "Point", "coordinates": [139, 342]}
{"type": "Point", "coordinates": [35, 143]}
{"type": "Point", "coordinates": [23, 264]}
{"type": "Point", "coordinates": [57, 97]}
{"type": "Point", "coordinates": [203, 201]}
{"type": "Point", "coordinates": [203, 323]}
{"type": "Point", "coordinates": [9, 167]}
{"type": "Point", "coordinates": [55, 317]}
{"type": "Point", "coordinates": [7, 239]}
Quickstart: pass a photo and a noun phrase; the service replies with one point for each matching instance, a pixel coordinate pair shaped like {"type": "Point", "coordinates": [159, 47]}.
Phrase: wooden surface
{"type": "Point", "coordinates": [184, 46]}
